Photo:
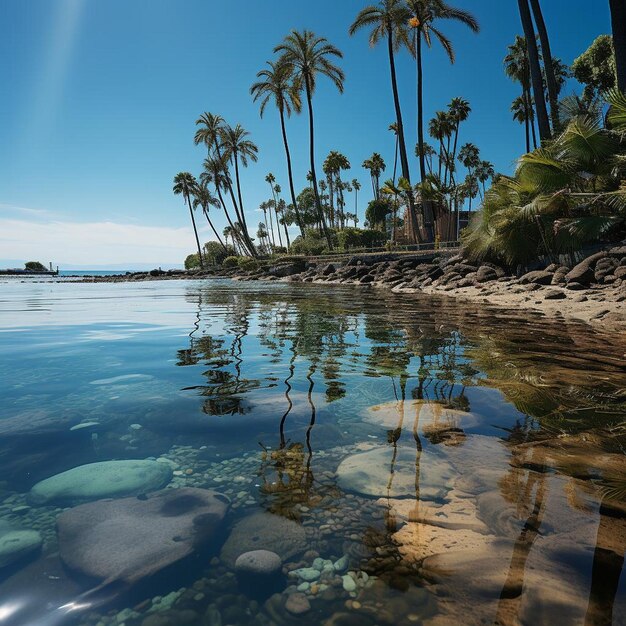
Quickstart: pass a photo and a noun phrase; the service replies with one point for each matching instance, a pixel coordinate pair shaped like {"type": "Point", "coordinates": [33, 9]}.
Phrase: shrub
{"type": "Point", "coordinates": [35, 266]}
{"type": "Point", "coordinates": [231, 261]}
{"type": "Point", "coordinates": [214, 253]}
{"type": "Point", "coordinates": [359, 238]}
{"type": "Point", "coordinates": [247, 263]}
{"type": "Point", "coordinates": [192, 262]}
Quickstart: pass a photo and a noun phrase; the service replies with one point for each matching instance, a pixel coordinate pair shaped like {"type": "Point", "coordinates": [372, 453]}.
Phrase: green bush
{"type": "Point", "coordinates": [247, 264]}
{"type": "Point", "coordinates": [360, 238]}
{"type": "Point", "coordinates": [192, 262]}
{"type": "Point", "coordinates": [35, 266]}
{"type": "Point", "coordinates": [214, 253]}
{"type": "Point", "coordinates": [231, 261]}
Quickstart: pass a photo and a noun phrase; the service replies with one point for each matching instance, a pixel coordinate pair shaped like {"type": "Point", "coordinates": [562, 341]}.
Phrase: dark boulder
{"type": "Point", "coordinates": [286, 269]}
{"type": "Point", "coordinates": [537, 277]}
{"type": "Point", "coordinates": [554, 294]}
{"type": "Point", "coordinates": [485, 274]}
{"type": "Point", "coordinates": [583, 273]}
{"type": "Point", "coordinates": [129, 539]}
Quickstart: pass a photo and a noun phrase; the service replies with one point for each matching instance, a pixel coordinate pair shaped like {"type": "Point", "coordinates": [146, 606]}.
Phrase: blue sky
{"type": "Point", "coordinates": [100, 99]}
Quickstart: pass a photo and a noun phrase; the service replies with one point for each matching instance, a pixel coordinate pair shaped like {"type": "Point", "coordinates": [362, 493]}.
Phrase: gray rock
{"type": "Point", "coordinates": [485, 274]}
{"type": "Point", "coordinates": [538, 277]}
{"type": "Point", "coordinates": [554, 294]}
{"type": "Point", "coordinates": [16, 543]}
{"type": "Point", "coordinates": [297, 604]}
{"type": "Point", "coordinates": [106, 479]}
{"type": "Point", "coordinates": [264, 531]}
{"type": "Point", "coordinates": [130, 538]}
{"type": "Point", "coordinates": [261, 562]}
{"type": "Point", "coordinates": [583, 273]}
{"type": "Point", "coordinates": [370, 474]}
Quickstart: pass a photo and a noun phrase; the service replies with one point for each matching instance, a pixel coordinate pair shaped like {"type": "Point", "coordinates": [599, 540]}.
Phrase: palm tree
{"type": "Point", "coordinates": [425, 15]}
{"type": "Point", "coordinates": [535, 70]}
{"type": "Point", "coordinates": [185, 184]}
{"type": "Point", "coordinates": [376, 166]}
{"type": "Point", "coordinates": [356, 186]}
{"type": "Point", "coordinates": [388, 21]}
{"type": "Point", "coordinates": [458, 110]}
{"type": "Point", "coordinates": [307, 57]}
{"type": "Point", "coordinates": [334, 163]}
{"type": "Point", "coordinates": [394, 129]}
{"type": "Point", "coordinates": [202, 197]}
{"type": "Point", "coordinates": [276, 193]}
{"type": "Point", "coordinates": [548, 64]}
{"type": "Point", "coordinates": [237, 147]}
{"type": "Point", "coordinates": [618, 24]}
{"type": "Point", "coordinates": [216, 173]}
{"type": "Point", "coordinates": [517, 68]}
{"type": "Point", "coordinates": [276, 83]}
{"type": "Point", "coordinates": [484, 172]}
{"type": "Point", "coordinates": [523, 114]}
{"type": "Point", "coordinates": [210, 133]}
{"type": "Point", "coordinates": [469, 156]}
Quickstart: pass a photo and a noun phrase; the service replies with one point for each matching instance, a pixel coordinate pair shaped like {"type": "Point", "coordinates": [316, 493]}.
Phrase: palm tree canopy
{"type": "Point", "coordinates": [276, 83]}
{"type": "Point", "coordinates": [388, 16]}
{"type": "Point", "coordinates": [307, 56]}
{"type": "Point", "coordinates": [426, 13]}
{"type": "Point", "coordinates": [202, 196]}
{"type": "Point", "coordinates": [210, 129]}
{"type": "Point", "coordinates": [185, 184]}
{"type": "Point", "coordinates": [235, 143]}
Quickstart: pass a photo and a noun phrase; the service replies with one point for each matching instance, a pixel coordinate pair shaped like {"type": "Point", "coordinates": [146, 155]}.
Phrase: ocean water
{"type": "Point", "coordinates": [411, 460]}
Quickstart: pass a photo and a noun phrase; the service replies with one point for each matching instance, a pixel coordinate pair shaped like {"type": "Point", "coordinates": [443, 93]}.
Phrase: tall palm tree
{"type": "Point", "coordinates": [276, 84]}
{"type": "Point", "coordinates": [535, 70]}
{"type": "Point", "coordinates": [618, 24]}
{"type": "Point", "coordinates": [388, 21]}
{"type": "Point", "coordinates": [548, 64]}
{"type": "Point", "coordinates": [458, 110]}
{"type": "Point", "coordinates": [216, 173]}
{"type": "Point", "coordinates": [202, 197]}
{"type": "Point", "coordinates": [238, 148]}
{"type": "Point", "coordinates": [524, 115]}
{"type": "Point", "coordinates": [517, 68]}
{"type": "Point", "coordinates": [210, 133]}
{"type": "Point", "coordinates": [185, 183]}
{"type": "Point", "coordinates": [484, 172]}
{"type": "Point", "coordinates": [376, 166]}
{"type": "Point", "coordinates": [356, 186]}
{"type": "Point", "coordinates": [309, 56]}
{"type": "Point", "coordinates": [425, 16]}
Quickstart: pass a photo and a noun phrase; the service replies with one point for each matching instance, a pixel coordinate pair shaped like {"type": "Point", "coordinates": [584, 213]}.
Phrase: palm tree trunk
{"type": "Point", "coordinates": [290, 172]}
{"type": "Point", "coordinates": [230, 222]}
{"type": "Point", "coordinates": [271, 233]}
{"type": "Point", "coordinates": [553, 90]}
{"type": "Point", "coordinates": [395, 162]}
{"type": "Point", "coordinates": [195, 231]}
{"type": "Point", "coordinates": [208, 219]}
{"type": "Point", "coordinates": [404, 161]}
{"type": "Point", "coordinates": [356, 206]}
{"type": "Point", "coordinates": [280, 238]}
{"type": "Point", "coordinates": [426, 204]}
{"type": "Point", "coordinates": [618, 24]}
{"type": "Point", "coordinates": [318, 204]}
{"type": "Point", "coordinates": [229, 185]}
{"type": "Point", "coordinates": [535, 71]}
{"type": "Point", "coordinates": [286, 235]}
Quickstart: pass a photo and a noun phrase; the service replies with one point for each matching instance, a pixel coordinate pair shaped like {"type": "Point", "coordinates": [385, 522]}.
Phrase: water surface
{"type": "Point", "coordinates": [458, 464]}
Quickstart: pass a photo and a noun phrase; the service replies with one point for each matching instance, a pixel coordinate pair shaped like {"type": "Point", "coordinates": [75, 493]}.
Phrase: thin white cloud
{"type": "Point", "coordinates": [95, 243]}
{"type": "Point", "coordinates": [12, 208]}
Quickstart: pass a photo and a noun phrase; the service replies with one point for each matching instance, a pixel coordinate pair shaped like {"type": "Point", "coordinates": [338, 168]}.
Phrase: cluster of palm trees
{"type": "Point", "coordinates": [289, 81]}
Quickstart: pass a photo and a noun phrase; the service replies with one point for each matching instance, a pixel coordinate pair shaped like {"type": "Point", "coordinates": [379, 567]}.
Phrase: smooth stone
{"type": "Point", "coordinates": [130, 538]}
{"type": "Point", "coordinates": [262, 562]}
{"type": "Point", "coordinates": [341, 564]}
{"type": "Point", "coordinates": [297, 604]}
{"type": "Point", "coordinates": [349, 584]}
{"type": "Point", "coordinates": [369, 473]}
{"type": "Point", "coordinates": [106, 479]}
{"type": "Point", "coordinates": [16, 543]}
{"type": "Point", "coordinates": [308, 574]}
{"type": "Point", "coordinates": [264, 531]}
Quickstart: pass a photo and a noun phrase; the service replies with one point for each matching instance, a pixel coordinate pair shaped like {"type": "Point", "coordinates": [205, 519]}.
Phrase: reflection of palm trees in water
{"type": "Point", "coordinates": [511, 594]}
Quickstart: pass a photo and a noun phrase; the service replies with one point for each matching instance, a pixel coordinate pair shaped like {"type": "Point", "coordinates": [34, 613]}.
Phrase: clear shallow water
{"type": "Point", "coordinates": [464, 465]}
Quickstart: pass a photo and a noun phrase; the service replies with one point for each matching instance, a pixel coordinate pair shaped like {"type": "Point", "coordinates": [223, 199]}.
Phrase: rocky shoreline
{"type": "Point", "coordinates": [592, 290]}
